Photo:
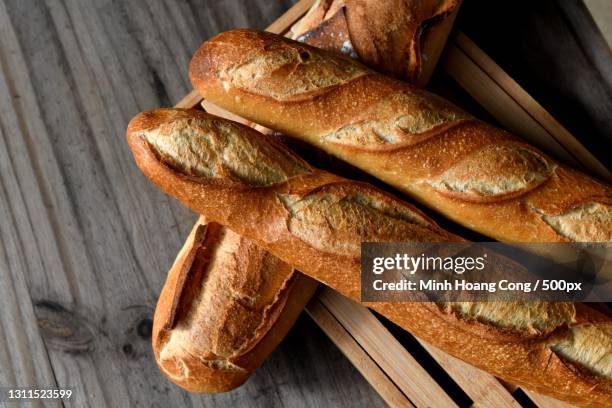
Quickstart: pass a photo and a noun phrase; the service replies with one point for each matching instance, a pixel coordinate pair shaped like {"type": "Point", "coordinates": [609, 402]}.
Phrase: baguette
{"type": "Point", "coordinates": [401, 38]}
{"type": "Point", "coordinates": [225, 307]}
{"type": "Point", "coordinates": [481, 177]}
{"type": "Point", "coordinates": [315, 221]}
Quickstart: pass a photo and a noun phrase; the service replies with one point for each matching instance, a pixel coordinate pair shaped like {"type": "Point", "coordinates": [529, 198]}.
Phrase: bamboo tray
{"type": "Point", "coordinates": [403, 373]}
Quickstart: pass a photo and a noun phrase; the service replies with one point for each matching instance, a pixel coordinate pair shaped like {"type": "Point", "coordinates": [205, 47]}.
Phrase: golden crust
{"type": "Point", "coordinates": [479, 176]}
{"type": "Point", "coordinates": [223, 310]}
{"type": "Point", "coordinates": [524, 350]}
{"type": "Point", "coordinates": [401, 38]}
{"type": "Point", "coordinates": [387, 35]}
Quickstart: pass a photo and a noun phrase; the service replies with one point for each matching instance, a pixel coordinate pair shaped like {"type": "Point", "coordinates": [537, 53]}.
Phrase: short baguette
{"type": "Point", "coordinates": [315, 221]}
{"type": "Point", "coordinates": [225, 307]}
{"type": "Point", "coordinates": [481, 177]}
{"type": "Point", "coordinates": [401, 38]}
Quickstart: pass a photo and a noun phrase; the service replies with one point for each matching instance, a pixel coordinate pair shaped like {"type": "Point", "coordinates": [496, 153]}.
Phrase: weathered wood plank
{"type": "Point", "coordinates": [95, 237]}
{"type": "Point", "coordinates": [60, 273]}
{"type": "Point", "coordinates": [23, 359]}
{"type": "Point", "coordinates": [484, 389]}
{"type": "Point", "coordinates": [360, 357]}
{"type": "Point", "coordinates": [392, 357]}
{"type": "Point", "coordinates": [545, 401]}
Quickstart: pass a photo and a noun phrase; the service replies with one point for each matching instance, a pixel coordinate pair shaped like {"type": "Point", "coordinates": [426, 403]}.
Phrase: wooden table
{"type": "Point", "coordinates": [86, 240]}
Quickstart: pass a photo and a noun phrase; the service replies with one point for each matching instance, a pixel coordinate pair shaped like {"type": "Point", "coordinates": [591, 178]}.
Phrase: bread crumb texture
{"type": "Point", "coordinates": [590, 346]}
{"type": "Point", "coordinates": [401, 119]}
{"type": "Point", "coordinates": [493, 171]}
{"type": "Point", "coordinates": [337, 219]}
{"type": "Point", "coordinates": [586, 345]}
{"type": "Point", "coordinates": [243, 285]}
{"type": "Point", "coordinates": [214, 149]}
{"type": "Point", "coordinates": [590, 222]}
{"type": "Point", "coordinates": [287, 71]}
{"type": "Point", "coordinates": [528, 318]}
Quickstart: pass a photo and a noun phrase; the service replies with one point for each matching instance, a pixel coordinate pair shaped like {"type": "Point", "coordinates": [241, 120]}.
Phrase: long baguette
{"type": "Point", "coordinates": [224, 308]}
{"type": "Point", "coordinates": [315, 221]}
{"type": "Point", "coordinates": [479, 176]}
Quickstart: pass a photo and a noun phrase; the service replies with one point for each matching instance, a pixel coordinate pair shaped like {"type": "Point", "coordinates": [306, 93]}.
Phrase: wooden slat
{"type": "Point", "coordinates": [383, 348]}
{"type": "Point", "coordinates": [557, 131]}
{"type": "Point", "coordinates": [483, 388]}
{"type": "Point", "coordinates": [191, 100]}
{"type": "Point", "coordinates": [357, 355]}
{"type": "Point", "coordinates": [215, 110]}
{"type": "Point", "coordinates": [554, 50]}
{"type": "Point", "coordinates": [546, 402]}
{"type": "Point", "coordinates": [284, 22]}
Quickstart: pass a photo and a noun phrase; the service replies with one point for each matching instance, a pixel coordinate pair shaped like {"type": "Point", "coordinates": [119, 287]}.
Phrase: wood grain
{"type": "Point", "coordinates": [357, 355]}
{"type": "Point", "coordinates": [546, 402]}
{"type": "Point", "coordinates": [484, 389]}
{"type": "Point", "coordinates": [93, 236]}
{"type": "Point", "coordinates": [389, 354]}
{"type": "Point", "coordinates": [23, 357]}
